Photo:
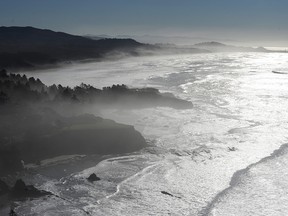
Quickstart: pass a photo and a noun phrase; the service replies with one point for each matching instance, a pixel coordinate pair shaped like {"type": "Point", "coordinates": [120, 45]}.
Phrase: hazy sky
{"type": "Point", "coordinates": [254, 20]}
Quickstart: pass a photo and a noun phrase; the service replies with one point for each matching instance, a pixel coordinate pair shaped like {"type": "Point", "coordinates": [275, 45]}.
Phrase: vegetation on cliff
{"type": "Point", "coordinates": [31, 130]}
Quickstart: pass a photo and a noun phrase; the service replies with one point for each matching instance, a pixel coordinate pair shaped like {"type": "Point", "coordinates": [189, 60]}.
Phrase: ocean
{"type": "Point", "coordinates": [214, 159]}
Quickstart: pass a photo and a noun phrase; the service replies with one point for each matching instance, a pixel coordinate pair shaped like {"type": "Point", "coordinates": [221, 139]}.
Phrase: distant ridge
{"type": "Point", "coordinates": [220, 47]}
{"type": "Point", "coordinates": [27, 47]}
{"type": "Point", "coordinates": [212, 43]}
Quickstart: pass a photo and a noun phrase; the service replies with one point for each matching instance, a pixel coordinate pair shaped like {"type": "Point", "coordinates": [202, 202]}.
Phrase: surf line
{"type": "Point", "coordinates": [142, 172]}
{"type": "Point", "coordinates": [235, 180]}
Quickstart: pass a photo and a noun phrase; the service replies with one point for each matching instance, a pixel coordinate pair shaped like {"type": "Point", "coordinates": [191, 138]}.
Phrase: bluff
{"type": "Point", "coordinates": [31, 131]}
{"type": "Point", "coordinates": [32, 135]}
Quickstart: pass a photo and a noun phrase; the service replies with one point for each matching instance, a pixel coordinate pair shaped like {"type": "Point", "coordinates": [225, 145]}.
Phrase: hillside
{"type": "Point", "coordinates": [27, 47]}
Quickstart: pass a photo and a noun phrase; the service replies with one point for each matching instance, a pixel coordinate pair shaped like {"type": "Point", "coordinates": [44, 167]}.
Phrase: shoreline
{"type": "Point", "coordinates": [76, 174]}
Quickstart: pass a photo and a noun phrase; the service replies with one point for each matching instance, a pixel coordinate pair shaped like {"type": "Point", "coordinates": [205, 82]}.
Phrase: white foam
{"type": "Point", "coordinates": [260, 189]}
{"type": "Point", "coordinates": [193, 159]}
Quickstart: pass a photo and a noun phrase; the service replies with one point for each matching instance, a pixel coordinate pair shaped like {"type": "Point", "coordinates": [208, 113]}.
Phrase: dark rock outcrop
{"type": "Point", "coordinates": [231, 148]}
{"type": "Point", "coordinates": [169, 194]}
{"type": "Point", "coordinates": [21, 190]}
{"type": "Point", "coordinates": [19, 185]}
{"type": "Point", "coordinates": [166, 193]}
{"type": "Point", "coordinates": [93, 177]}
{"type": "Point", "coordinates": [12, 213]}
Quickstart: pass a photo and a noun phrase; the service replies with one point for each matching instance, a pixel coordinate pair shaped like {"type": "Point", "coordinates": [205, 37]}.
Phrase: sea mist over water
{"type": "Point", "coordinates": [238, 119]}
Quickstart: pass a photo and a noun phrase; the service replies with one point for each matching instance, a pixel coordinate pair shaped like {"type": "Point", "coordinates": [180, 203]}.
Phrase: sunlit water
{"type": "Point", "coordinates": [210, 158]}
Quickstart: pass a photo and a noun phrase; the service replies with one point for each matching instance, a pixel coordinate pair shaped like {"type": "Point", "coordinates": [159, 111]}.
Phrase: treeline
{"type": "Point", "coordinates": [20, 88]}
{"type": "Point", "coordinates": [16, 88]}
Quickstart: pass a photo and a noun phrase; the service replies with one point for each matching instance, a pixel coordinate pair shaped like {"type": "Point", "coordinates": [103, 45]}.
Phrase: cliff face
{"type": "Point", "coordinates": [104, 137]}
{"type": "Point", "coordinates": [31, 135]}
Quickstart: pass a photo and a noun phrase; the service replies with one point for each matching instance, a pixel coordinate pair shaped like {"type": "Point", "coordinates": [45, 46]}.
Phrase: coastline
{"type": "Point", "coordinates": [64, 189]}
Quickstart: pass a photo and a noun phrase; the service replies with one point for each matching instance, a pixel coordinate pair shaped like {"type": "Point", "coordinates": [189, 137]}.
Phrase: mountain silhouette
{"type": "Point", "coordinates": [28, 47]}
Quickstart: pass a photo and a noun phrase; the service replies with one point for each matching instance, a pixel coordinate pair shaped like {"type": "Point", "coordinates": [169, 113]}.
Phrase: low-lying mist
{"type": "Point", "coordinates": [40, 122]}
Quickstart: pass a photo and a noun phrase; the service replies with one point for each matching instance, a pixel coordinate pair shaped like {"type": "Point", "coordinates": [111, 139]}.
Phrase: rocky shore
{"type": "Point", "coordinates": [39, 122]}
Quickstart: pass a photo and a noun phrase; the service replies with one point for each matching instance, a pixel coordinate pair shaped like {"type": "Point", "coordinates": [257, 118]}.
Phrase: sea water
{"type": "Point", "coordinates": [213, 159]}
